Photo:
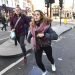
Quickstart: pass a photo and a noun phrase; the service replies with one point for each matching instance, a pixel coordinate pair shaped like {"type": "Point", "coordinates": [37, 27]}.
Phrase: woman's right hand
{"type": "Point", "coordinates": [40, 35]}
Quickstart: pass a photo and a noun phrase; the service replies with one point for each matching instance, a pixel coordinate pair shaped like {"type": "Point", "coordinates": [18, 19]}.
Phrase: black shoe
{"type": "Point", "coordinates": [15, 44]}
{"type": "Point", "coordinates": [15, 41]}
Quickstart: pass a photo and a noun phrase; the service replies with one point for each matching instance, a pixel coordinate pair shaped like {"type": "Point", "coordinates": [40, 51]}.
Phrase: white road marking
{"type": "Point", "coordinates": [60, 59]}
{"type": "Point", "coordinates": [4, 38]}
{"type": "Point", "coordinates": [12, 65]}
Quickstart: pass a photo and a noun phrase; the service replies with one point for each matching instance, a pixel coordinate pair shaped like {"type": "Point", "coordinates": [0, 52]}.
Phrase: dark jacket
{"type": "Point", "coordinates": [49, 35]}
{"type": "Point", "coordinates": [20, 28]}
{"type": "Point", "coordinates": [3, 20]}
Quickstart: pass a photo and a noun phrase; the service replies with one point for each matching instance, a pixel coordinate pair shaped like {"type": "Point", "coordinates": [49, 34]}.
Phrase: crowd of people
{"type": "Point", "coordinates": [34, 28]}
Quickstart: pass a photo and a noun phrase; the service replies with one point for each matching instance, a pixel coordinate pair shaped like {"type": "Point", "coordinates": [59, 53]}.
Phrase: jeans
{"type": "Point", "coordinates": [20, 39]}
{"type": "Point", "coordinates": [38, 56]}
{"type": "Point", "coordinates": [4, 26]}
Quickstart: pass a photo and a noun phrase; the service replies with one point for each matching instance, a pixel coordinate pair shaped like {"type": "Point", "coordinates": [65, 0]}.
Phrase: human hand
{"type": "Point", "coordinates": [40, 35]}
{"type": "Point", "coordinates": [13, 30]}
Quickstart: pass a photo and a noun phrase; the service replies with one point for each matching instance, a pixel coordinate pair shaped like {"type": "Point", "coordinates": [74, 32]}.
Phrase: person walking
{"type": "Point", "coordinates": [11, 15]}
{"type": "Point", "coordinates": [20, 28]}
{"type": "Point", "coordinates": [27, 25]}
{"type": "Point", "coordinates": [3, 20]}
{"type": "Point", "coordinates": [36, 35]}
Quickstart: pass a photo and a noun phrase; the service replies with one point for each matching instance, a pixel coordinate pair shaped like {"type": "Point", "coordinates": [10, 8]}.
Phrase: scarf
{"type": "Point", "coordinates": [39, 29]}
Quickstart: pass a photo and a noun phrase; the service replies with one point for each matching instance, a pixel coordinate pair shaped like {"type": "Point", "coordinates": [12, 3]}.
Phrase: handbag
{"type": "Point", "coordinates": [12, 33]}
{"type": "Point", "coordinates": [50, 34]}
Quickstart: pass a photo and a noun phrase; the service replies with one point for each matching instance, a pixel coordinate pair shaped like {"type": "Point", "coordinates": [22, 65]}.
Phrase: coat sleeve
{"type": "Point", "coordinates": [11, 23]}
{"type": "Point", "coordinates": [29, 37]}
{"type": "Point", "coordinates": [51, 34]}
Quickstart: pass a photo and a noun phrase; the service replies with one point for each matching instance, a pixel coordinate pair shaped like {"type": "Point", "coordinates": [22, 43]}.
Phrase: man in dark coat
{"type": "Point", "coordinates": [3, 20]}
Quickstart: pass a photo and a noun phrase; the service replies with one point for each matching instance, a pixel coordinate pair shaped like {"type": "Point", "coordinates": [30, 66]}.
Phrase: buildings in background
{"type": "Point", "coordinates": [26, 5]}
{"type": "Point", "coordinates": [66, 12]}
{"type": "Point", "coordinates": [29, 5]}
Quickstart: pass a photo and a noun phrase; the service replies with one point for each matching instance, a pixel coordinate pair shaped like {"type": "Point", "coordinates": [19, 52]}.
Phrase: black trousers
{"type": "Point", "coordinates": [20, 39]}
{"type": "Point", "coordinates": [38, 56]}
{"type": "Point", "coordinates": [4, 26]}
{"type": "Point", "coordinates": [26, 32]}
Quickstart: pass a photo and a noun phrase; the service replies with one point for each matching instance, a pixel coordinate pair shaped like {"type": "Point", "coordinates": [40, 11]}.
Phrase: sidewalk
{"type": "Point", "coordinates": [60, 29]}
{"type": "Point", "coordinates": [8, 48]}
{"type": "Point", "coordinates": [69, 21]}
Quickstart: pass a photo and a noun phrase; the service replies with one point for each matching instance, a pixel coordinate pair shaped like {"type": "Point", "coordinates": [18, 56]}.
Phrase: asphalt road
{"type": "Point", "coordinates": [4, 35]}
{"type": "Point", "coordinates": [64, 55]}
{"type": "Point", "coordinates": [5, 61]}
{"type": "Point", "coordinates": [63, 52]}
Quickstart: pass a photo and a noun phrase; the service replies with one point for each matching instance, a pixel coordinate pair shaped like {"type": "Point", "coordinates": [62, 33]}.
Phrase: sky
{"type": "Point", "coordinates": [40, 4]}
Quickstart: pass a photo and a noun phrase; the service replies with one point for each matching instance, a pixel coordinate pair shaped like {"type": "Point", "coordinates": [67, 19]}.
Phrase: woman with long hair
{"type": "Point", "coordinates": [38, 26]}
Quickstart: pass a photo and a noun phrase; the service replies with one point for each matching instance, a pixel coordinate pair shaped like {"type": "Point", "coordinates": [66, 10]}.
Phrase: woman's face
{"type": "Point", "coordinates": [37, 16]}
{"type": "Point", "coordinates": [17, 11]}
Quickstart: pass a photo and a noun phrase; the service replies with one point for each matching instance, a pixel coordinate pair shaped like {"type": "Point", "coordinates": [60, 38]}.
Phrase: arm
{"type": "Point", "coordinates": [29, 37]}
{"type": "Point", "coordinates": [51, 34]}
{"type": "Point", "coordinates": [11, 23]}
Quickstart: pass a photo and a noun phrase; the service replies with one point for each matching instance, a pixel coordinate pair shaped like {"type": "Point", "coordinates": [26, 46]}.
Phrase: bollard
{"type": "Point", "coordinates": [65, 21]}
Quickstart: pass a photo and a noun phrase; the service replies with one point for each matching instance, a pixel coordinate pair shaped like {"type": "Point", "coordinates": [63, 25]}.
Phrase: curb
{"type": "Point", "coordinates": [65, 31]}
{"type": "Point", "coordinates": [3, 40]}
{"type": "Point", "coordinates": [21, 54]}
{"type": "Point", "coordinates": [29, 50]}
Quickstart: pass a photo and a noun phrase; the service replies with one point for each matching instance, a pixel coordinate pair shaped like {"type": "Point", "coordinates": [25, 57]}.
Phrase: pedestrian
{"type": "Point", "coordinates": [26, 25]}
{"type": "Point", "coordinates": [20, 28]}
{"type": "Point", "coordinates": [10, 19]}
{"type": "Point", "coordinates": [37, 28]}
{"type": "Point", "coordinates": [3, 20]}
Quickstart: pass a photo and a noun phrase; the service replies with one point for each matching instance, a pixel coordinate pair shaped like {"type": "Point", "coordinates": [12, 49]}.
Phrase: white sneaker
{"type": "Point", "coordinates": [44, 73]}
{"type": "Point", "coordinates": [53, 67]}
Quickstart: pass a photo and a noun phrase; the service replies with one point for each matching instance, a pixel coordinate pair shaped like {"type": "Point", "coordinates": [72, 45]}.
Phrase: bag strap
{"type": "Point", "coordinates": [17, 22]}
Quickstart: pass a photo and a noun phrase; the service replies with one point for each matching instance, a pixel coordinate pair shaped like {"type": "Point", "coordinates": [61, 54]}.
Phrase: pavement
{"type": "Point", "coordinates": [9, 49]}
{"type": "Point", "coordinates": [4, 35]}
{"type": "Point", "coordinates": [68, 21]}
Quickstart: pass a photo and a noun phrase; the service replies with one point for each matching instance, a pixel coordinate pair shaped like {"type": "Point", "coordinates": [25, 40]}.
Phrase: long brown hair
{"type": "Point", "coordinates": [43, 18]}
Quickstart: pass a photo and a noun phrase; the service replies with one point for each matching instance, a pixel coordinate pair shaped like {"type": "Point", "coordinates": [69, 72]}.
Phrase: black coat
{"type": "Point", "coordinates": [50, 34]}
{"type": "Point", "coordinates": [3, 20]}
